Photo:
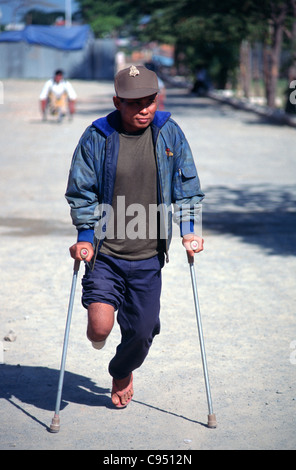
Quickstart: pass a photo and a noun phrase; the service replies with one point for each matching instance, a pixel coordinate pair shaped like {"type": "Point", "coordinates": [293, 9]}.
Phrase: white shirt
{"type": "Point", "coordinates": [58, 89]}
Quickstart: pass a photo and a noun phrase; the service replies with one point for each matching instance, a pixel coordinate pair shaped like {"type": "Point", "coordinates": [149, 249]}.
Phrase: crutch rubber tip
{"type": "Point", "coordinates": [212, 423]}
{"type": "Point", "coordinates": [55, 424]}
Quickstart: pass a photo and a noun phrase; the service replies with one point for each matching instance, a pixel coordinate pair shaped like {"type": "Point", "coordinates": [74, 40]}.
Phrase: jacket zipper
{"type": "Point", "coordinates": [161, 196]}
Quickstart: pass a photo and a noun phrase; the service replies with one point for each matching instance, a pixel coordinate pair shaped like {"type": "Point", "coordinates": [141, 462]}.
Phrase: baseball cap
{"type": "Point", "coordinates": [136, 82]}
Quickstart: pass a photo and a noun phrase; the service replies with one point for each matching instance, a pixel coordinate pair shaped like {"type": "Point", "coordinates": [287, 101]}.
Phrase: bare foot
{"type": "Point", "coordinates": [122, 391]}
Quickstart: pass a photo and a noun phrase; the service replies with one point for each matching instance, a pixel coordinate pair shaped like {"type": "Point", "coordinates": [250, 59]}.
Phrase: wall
{"type": "Point", "coordinates": [22, 60]}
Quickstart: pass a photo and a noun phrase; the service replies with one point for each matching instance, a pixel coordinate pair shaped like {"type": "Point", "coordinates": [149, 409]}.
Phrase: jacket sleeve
{"type": "Point", "coordinates": [82, 190]}
{"type": "Point", "coordinates": [186, 192]}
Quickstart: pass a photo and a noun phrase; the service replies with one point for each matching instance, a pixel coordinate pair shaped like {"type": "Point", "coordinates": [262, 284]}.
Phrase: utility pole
{"type": "Point", "coordinates": [68, 13]}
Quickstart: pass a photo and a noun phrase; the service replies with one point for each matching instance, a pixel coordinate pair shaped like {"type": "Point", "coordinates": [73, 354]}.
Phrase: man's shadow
{"type": "Point", "coordinates": [38, 386]}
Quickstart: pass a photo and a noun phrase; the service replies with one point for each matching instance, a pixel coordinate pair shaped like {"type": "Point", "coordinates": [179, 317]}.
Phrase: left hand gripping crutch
{"type": "Point", "coordinates": [55, 423]}
{"type": "Point", "coordinates": [212, 423]}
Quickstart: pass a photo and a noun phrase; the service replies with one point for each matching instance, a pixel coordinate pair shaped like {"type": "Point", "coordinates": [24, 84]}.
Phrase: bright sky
{"type": "Point", "coordinates": [7, 8]}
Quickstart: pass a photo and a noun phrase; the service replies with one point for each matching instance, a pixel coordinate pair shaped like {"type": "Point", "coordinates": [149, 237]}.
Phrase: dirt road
{"type": "Point", "coordinates": [246, 282]}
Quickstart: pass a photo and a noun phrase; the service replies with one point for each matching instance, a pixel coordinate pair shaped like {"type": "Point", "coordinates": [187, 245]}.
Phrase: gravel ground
{"type": "Point", "coordinates": [246, 284]}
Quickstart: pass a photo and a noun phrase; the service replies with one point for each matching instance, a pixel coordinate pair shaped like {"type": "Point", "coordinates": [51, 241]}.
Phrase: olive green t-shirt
{"type": "Point", "coordinates": [133, 235]}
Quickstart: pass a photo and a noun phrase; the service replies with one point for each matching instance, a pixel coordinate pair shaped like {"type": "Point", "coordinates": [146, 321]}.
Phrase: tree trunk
{"type": "Point", "coordinates": [257, 67]}
{"type": "Point", "coordinates": [272, 53]}
{"type": "Point", "coordinates": [292, 70]}
{"type": "Point", "coordinates": [245, 68]}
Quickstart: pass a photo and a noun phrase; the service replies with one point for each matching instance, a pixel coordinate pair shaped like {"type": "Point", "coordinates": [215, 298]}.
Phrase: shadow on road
{"type": "Point", "coordinates": [264, 215]}
{"type": "Point", "coordinates": [38, 386]}
{"type": "Point", "coordinates": [27, 227]}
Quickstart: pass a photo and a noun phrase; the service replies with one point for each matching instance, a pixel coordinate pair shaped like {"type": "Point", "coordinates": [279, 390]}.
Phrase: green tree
{"type": "Point", "coordinates": [106, 18]}
{"type": "Point", "coordinates": [268, 20]}
{"type": "Point", "coordinates": [36, 16]}
{"type": "Point", "coordinates": [205, 33]}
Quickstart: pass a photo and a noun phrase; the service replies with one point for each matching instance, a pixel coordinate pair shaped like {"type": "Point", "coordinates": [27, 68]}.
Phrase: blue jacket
{"type": "Point", "coordinates": [93, 170]}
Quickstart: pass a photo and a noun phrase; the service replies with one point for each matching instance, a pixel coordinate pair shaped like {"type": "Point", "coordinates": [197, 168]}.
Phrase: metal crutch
{"type": "Point", "coordinates": [55, 423]}
{"type": "Point", "coordinates": [212, 423]}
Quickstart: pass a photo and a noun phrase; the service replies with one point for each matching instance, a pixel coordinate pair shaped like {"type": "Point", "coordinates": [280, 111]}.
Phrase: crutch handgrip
{"type": "Point", "coordinates": [83, 254]}
{"type": "Point", "coordinates": [193, 246]}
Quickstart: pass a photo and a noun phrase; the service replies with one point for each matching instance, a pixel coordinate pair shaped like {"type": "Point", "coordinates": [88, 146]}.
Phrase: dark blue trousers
{"type": "Point", "coordinates": [133, 288]}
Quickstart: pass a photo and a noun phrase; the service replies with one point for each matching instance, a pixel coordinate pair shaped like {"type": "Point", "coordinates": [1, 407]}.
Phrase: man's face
{"type": "Point", "coordinates": [136, 114]}
{"type": "Point", "coordinates": [58, 77]}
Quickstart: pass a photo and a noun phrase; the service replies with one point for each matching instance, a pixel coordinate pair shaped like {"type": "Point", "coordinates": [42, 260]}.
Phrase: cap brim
{"type": "Point", "coordinates": [140, 93]}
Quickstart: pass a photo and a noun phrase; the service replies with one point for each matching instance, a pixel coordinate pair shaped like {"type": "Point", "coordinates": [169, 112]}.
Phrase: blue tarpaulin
{"type": "Point", "coordinates": [11, 36]}
{"type": "Point", "coordinates": [59, 37]}
{"type": "Point", "coordinates": [163, 60]}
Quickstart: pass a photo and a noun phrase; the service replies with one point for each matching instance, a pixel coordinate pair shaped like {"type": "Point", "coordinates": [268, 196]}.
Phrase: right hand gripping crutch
{"type": "Point", "coordinates": [212, 423]}
{"type": "Point", "coordinates": [55, 423]}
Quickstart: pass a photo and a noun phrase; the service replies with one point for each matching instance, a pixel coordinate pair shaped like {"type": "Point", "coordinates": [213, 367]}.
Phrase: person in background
{"type": "Point", "coordinates": [58, 97]}
{"type": "Point", "coordinates": [161, 85]}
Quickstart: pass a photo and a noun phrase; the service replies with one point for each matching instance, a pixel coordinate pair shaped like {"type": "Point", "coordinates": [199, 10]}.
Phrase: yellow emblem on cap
{"type": "Point", "coordinates": [133, 71]}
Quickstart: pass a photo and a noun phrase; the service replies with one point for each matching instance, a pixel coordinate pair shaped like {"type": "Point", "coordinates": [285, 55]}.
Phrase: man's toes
{"type": "Point", "coordinates": [115, 399]}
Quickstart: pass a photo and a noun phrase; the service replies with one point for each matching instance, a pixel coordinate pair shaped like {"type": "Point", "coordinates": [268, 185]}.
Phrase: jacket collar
{"type": "Point", "coordinates": [111, 123]}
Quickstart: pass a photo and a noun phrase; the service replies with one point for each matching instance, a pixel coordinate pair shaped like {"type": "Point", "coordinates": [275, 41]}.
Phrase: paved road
{"type": "Point", "coordinates": [246, 279]}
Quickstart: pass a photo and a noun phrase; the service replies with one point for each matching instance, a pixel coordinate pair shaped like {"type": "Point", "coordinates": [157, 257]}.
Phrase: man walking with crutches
{"type": "Point", "coordinates": [127, 171]}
